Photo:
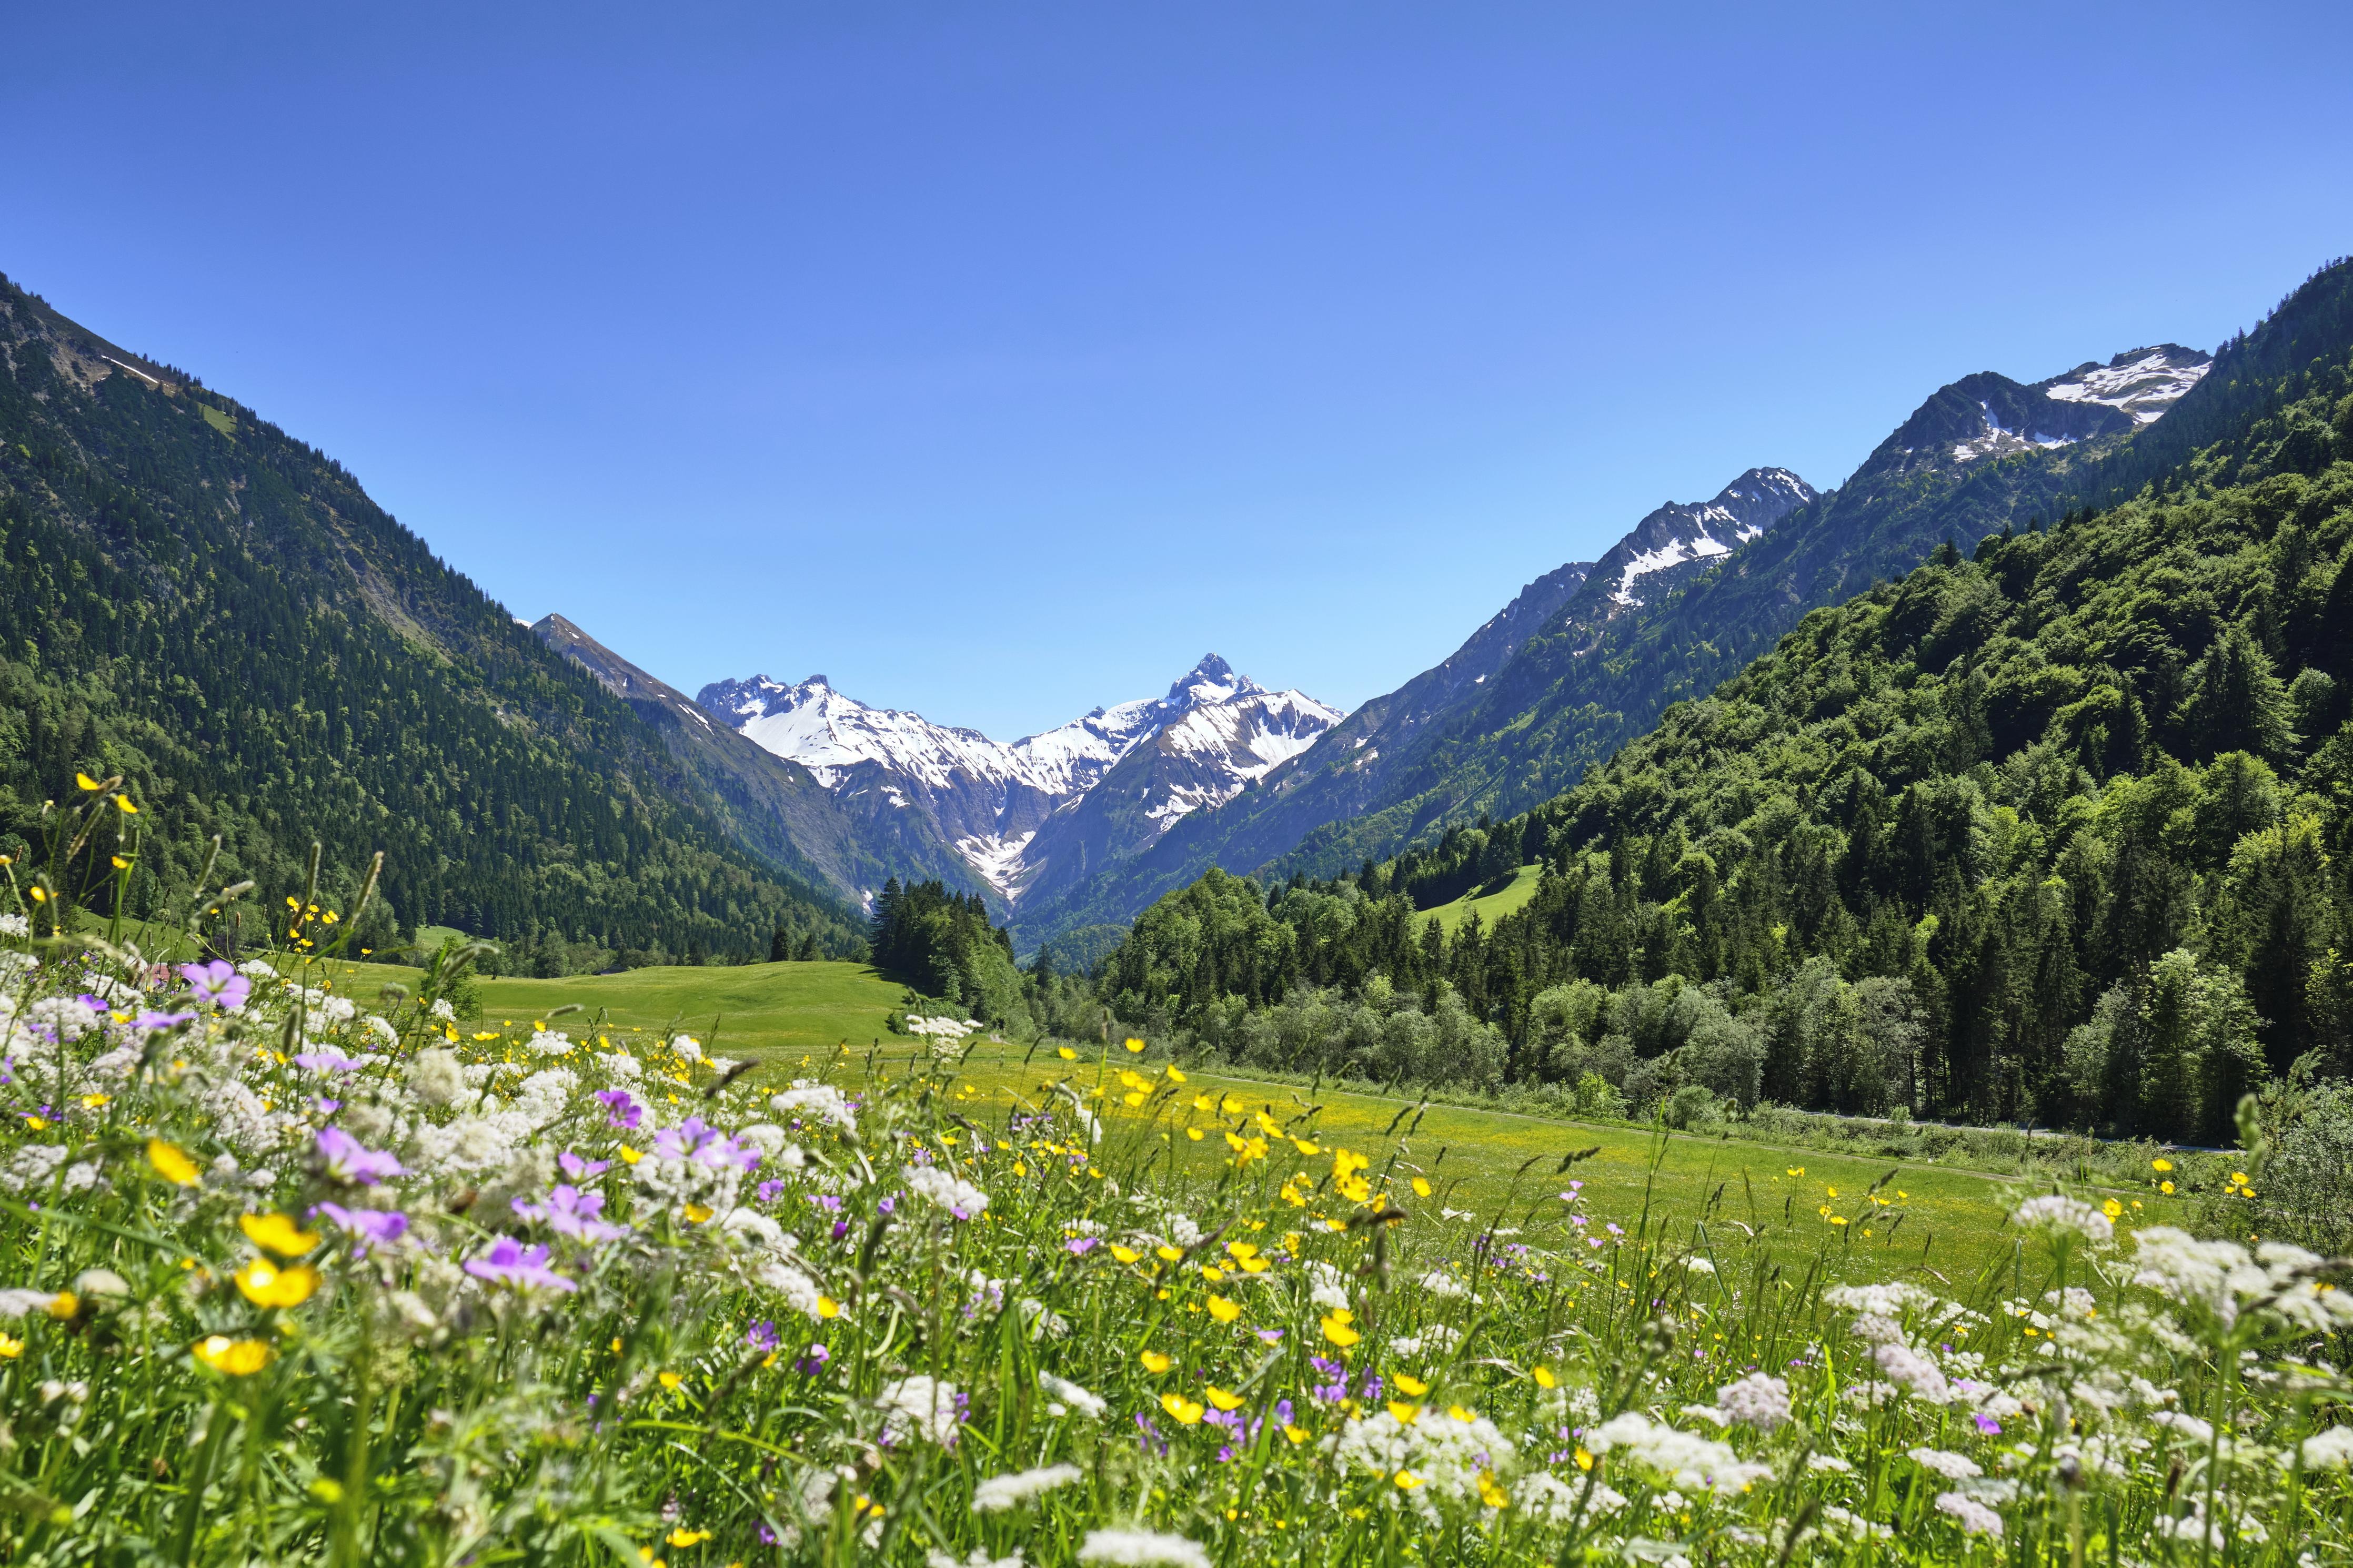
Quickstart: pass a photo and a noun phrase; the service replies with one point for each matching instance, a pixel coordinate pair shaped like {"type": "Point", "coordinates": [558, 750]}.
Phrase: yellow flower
{"type": "Point", "coordinates": [264, 1285]}
{"type": "Point", "coordinates": [1136, 1046]}
{"type": "Point", "coordinates": [237, 1358]}
{"type": "Point", "coordinates": [2165, 1187]}
{"type": "Point", "coordinates": [826, 1307]}
{"type": "Point", "coordinates": [1225, 1311]}
{"type": "Point", "coordinates": [684, 1537]}
{"type": "Point", "coordinates": [1584, 1460]}
{"type": "Point", "coordinates": [2239, 1178]}
{"type": "Point", "coordinates": [697, 1213]}
{"type": "Point", "coordinates": [1456, 1412]}
{"type": "Point", "coordinates": [1420, 1188]}
{"type": "Point", "coordinates": [1194, 1133]}
{"type": "Point", "coordinates": [1203, 1102]}
{"type": "Point", "coordinates": [171, 1163]}
{"type": "Point", "coordinates": [1167, 1252]}
{"type": "Point", "coordinates": [1155, 1362]}
{"type": "Point", "coordinates": [1126, 1254]}
{"type": "Point", "coordinates": [1223, 1400]}
{"type": "Point", "coordinates": [1544, 1379]}
{"type": "Point", "coordinates": [2160, 1164]}
{"type": "Point", "coordinates": [1406, 1480]}
{"type": "Point", "coordinates": [670, 1380]}
{"type": "Point", "coordinates": [1296, 1435]}
{"type": "Point", "coordinates": [1491, 1494]}
{"type": "Point", "coordinates": [123, 800]}
{"type": "Point", "coordinates": [1234, 1105]}
{"type": "Point", "coordinates": [1174, 1075]}
{"type": "Point", "coordinates": [2113, 1209]}
{"type": "Point", "coordinates": [277, 1233]}
{"type": "Point", "coordinates": [1404, 1414]}
{"type": "Point", "coordinates": [630, 1156]}
{"type": "Point", "coordinates": [1067, 1054]}
{"type": "Point", "coordinates": [1185, 1410]}
{"type": "Point", "coordinates": [1411, 1385]}
{"type": "Point", "coordinates": [11, 1349]}
{"type": "Point", "coordinates": [65, 1304]}
{"type": "Point", "coordinates": [1338, 1331]}
{"type": "Point", "coordinates": [87, 782]}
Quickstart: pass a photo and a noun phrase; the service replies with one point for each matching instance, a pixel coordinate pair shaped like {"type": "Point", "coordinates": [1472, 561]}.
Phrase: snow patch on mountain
{"type": "Point", "coordinates": [2143, 383]}
{"type": "Point", "coordinates": [1681, 533]}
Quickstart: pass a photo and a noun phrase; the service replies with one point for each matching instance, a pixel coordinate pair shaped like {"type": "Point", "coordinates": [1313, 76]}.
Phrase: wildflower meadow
{"type": "Point", "coordinates": [287, 1276]}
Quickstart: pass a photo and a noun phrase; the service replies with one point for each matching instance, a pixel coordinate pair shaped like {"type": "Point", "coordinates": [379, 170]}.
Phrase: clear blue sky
{"type": "Point", "coordinates": [999, 360]}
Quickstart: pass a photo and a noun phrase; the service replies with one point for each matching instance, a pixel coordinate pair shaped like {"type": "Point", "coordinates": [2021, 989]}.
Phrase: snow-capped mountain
{"type": "Point", "coordinates": [1989, 416]}
{"type": "Point", "coordinates": [1680, 534]}
{"type": "Point", "coordinates": [989, 799]}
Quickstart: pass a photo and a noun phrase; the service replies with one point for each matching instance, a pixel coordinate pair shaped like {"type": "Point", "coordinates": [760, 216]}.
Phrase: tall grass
{"type": "Point", "coordinates": [289, 1276]}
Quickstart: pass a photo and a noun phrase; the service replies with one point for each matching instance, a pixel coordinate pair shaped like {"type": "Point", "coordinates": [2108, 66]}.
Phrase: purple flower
{"type": "Point", "coordinates": [510, 1262]}
{"type": "Point", "coordinates": [216, 982]}
{"type": "Point", "coordinates": [1080, 1245]}
{"type": "Point", "coordinates": [888, 1206]}
{"type": "Point", "coordinates": [95, 1003]}
{"type": "Point", "coordinates": [624, 1111]}
{"type": "Point", "coordinates": [840, 1229]}
{"type": "Point", "coordinates": [1151, 1442]}
{"type": "Point", "coordinates": [827, 1202]}
{"type": "Point", "coordinates": [153, 1020]}
{"type": "Point", "coordinates": [327, 1058]}
{"type": "Point", "coordinates": [1271, 1336]}
{"type": "Point", "coordinates": [374, 1227]}
{"type": "Point", "coordinates": [814, 1363]}
{"type": "Point", "coordinates": [696, 1141]}
{"type": "Point", "coordinates": [347, 1160]}
{"type": "Point", "coordinates": [769, 1192]}
{"type": "Point", "coordinates": [763, 1337]}
{"type": "Point", "coordinates": [579, 1169]}
{"type": "Point", "coordinates": [324, 1105]}
{"type": "Point", "coordinates": [570, 1212]}
{"type": "Point", "coordinates": [1988, 1424]}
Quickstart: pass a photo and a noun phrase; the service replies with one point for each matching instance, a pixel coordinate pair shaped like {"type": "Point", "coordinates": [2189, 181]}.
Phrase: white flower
{"type": "Point", "coordinates": [1141, 1549]}
{"type": "Point", "coordinates": [1975, 1517]}
{"type": "Point", "coordinates": [943, 1190]}
{"type": "Point", "coordinates": [1438, 1282]}
{"type": "Point", "coordinates": [1699, 1265]}
{"type": "Point", "coordinates": [2329, 1450]}
{"type": "Point", "coordinates": [998, 1493]}
{"type": "Point", "coordinates": [1067, 1397]}
{"type": "Point", "coordinates": [443, 1011]}
{"type": "Point", "coordinates": [19, 1302]}
{"type": "Point", "coordinates": [688, 1048]}
{"type": "Point", "coordinates": [2064, 1215]}
{"type": "Point", "coordinates": [15, 925]}
{"type": "Point", "coordinates": [1447, 1453]}
{"type": "Point", "coordinates": [1757, 1400]}
{"type": "Point", "coordinates": [2224, 1278]}
{"type": "Point", "coordinates": [799, 1290]}
{"type": "Point", "coordinates": [1686, 1460]}
{"type": "Point", "coordinates": [623, 1065]}
{"type": "Point", "coordinates": [1331, 1291]}
{"type": "Point", "coordinates": [436, 1078]}
{"type": "Point", "coordinates": [815, 1102]}
{"type": "Point", "coordinates": [1952, 1467]}
{"type": "Point", "coordinates": [552, 1043]}
{"type": "Point", "coordinates": [254, 969]}
{"type": "Point", "coordinates": [1829, 1463]}
{"type": "Point", "coordinates": [1892, 1299]}
{"type": "Point", "coordinates": [1909, 1369]}
{"type": "Point", "coordinates": [544, 1094]}
{"type": "Point", "coordinates": [920, 1407]}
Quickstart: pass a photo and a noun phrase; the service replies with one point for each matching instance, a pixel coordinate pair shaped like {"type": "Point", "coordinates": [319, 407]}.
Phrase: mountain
{"type": "Point", "coordinates": [2056, 830]}
{"type": "Point", "coordinates": [220, 613]}
{"type": "Point", "coordinates": [1982, 452]}
{"type": "Point", "coordinates": [1353, 768]}
{"type": "Point", "coordinates": [766, 803]}
{"type": "Point", "coordinates": [930, 792]}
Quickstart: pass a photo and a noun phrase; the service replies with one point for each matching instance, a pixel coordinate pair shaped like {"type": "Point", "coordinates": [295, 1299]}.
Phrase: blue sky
{"type": "Point", "coordinates": [999, 360]}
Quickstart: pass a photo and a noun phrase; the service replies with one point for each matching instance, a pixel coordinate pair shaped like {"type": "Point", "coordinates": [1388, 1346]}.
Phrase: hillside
{"type": "Point", "coordinates": [199, 602]}
{"type": "Point", "coordinates": [1666, 617]}
{"type": "Point", "coordinates": [2054, 832]}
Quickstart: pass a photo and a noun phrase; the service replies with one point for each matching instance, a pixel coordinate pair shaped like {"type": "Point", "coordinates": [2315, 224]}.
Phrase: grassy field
{"type": "Point", "coordinates": [827, 1017]}
{"type": "Point", "coordinates": [783, 1009]}
{"type": "Point", "coordinates": [1491, 907]}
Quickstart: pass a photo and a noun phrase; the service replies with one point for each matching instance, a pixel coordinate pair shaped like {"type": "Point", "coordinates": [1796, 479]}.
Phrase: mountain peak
{"type": "Point", "coordinates": [1210, 680]}
{"type": "Point", "coordinates": [1679, 536]}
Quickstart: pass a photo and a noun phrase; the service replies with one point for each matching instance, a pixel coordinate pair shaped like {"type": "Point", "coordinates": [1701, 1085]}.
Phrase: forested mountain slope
{"type": "Point", "coordinates": [192, 598]}
{"type": "Point", "coordinates": [2060, 831]}
{"type": "Point", "coordinates": [1982, 452]}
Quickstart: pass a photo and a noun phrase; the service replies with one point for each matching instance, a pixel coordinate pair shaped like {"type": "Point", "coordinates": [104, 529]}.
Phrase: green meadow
{"type": "Point", "coordinates": [1933, 1222]}
{"type": "Point", "coordinates": [1490, 906]}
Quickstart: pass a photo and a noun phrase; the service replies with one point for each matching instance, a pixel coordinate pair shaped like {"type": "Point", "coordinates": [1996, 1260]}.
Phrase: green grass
{"type": "Point", "coordinates": [1952, 1225]}
{"type": "Point", "coordinates": [778, 1009]}
{"type": "Point", "coordinates": [1491, 907]}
